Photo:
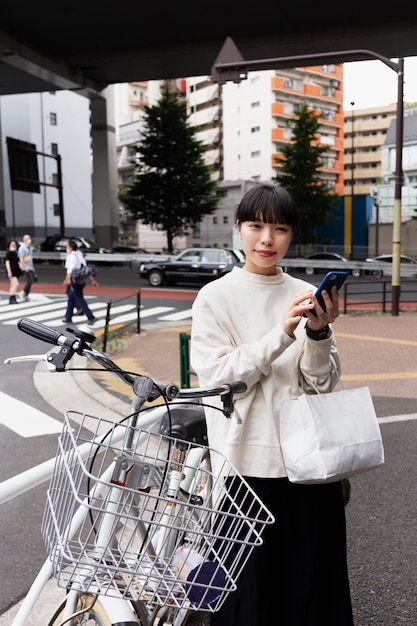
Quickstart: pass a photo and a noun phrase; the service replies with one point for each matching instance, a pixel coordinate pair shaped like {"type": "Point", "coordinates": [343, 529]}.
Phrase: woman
{"type": "Point", "coordinates": [75, 297]}
{"type": "Point", "coordinates": [249, 325]}
{"type": "Point", "coordinates": [13, 270]}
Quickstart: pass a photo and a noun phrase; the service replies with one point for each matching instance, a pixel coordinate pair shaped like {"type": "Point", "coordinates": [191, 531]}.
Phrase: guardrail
{"type": "Point", "coordinates": [96, 257]}
{"type": "Point", "coordinates": [357, 268]}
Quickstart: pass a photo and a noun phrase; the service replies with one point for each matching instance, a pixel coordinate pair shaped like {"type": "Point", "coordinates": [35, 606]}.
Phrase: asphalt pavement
{"type": "Point", "coordinates": [377, 350]}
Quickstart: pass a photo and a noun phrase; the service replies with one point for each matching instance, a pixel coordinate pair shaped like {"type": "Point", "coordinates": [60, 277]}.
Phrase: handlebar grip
{"type": "Point", "coordinates": [39, 331]}
{"type": "Point", "coordinates": [239, 387]}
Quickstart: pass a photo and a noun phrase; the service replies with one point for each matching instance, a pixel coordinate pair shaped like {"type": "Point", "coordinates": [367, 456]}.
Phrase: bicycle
{"type": "Point", "coordinates": [144, 523]}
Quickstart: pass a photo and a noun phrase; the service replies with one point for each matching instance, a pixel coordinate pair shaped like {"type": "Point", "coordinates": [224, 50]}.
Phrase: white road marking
{"type": "Point", "coordinates": [176, 317]}
{"type": "Point", "coordinates": [24, 420]}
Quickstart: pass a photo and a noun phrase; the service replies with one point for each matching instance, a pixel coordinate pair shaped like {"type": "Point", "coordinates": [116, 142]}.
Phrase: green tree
{"type": "Point", "coordinates": [172, 188]}
{"type": "Point", "coordinates": [301, 161]}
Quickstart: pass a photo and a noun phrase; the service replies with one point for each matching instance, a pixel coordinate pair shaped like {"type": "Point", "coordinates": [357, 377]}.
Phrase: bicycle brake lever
{"type": "Point", "coordinates": [58, 360]}
{"type": "Point", "coordinates": [30, 357]}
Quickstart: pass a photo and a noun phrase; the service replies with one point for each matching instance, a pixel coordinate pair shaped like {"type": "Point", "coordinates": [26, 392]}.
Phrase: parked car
{"type": "Point", "coordinates": [55, 243]}
{"type": "Point", "coordinates": [130, 250]}
{"type": "Point", "coordinates": [322, 256]}
{"type": "Point", "coordinates": [387, 258]}
{"type": "Point", "coordinates": [194, 265]}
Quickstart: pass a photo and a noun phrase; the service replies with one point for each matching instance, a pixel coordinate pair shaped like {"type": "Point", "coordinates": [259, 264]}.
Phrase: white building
{"type": "Point", "coordinates": [57, 123]}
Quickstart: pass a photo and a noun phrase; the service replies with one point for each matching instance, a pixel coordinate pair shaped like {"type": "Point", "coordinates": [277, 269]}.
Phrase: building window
{"type": "Point", "coordinates": [54, 148]}
{"type": "Point", "coordinates": [293, 83]}
{"type": "Point", "coordinates": [290, 107]}
{"type": "Point", "coordinates": [255, 154]}
{"type": "Point", "coordinates": [225, 219]}
{"type": "Point", "coordinates": [56, 210]}
{"type": "Point", "coordinates": [55, 179]}
{"type": "Point", "coordinates": [328, 114]}
{"type": "Point", "coordinates": [215, 219]}
{"type": "Point", "coordinates": [327, 140]}
{"type": "Point", "coordinates": [254, 105]}
{"type": "Point", "coordinates": [255, 129]}
{"type": "Point", "coordinates": [197, 230]}
{"type": "Point", "coordinates": [53, 119]}
{"type": "Point", "coordinates": [328, 92]}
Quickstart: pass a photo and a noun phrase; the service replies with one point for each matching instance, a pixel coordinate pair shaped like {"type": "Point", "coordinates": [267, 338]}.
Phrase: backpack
{"type": "Point", "coordinates": [80, 275]}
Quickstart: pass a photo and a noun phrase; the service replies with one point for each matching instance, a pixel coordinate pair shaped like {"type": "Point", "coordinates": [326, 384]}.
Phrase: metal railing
{"type": "Point", "coordinates": [379, 295]}
{"type": "Point", "coordinates": [185, 371]}
{"type": "Point", "coordinates": [121, 327]}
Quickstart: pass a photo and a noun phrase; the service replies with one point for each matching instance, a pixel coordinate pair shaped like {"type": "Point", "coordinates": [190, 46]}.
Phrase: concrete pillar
{"type": "Point", "coordinates": [105, 201]}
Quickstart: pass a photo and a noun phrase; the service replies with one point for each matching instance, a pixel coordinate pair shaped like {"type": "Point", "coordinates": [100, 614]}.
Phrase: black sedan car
{"type": "Point", "coordinates": [55, 243]}
{"type": "Point", "coordinates": [194, 265]}
{"type": "Point", "coordinates": [129, 250]}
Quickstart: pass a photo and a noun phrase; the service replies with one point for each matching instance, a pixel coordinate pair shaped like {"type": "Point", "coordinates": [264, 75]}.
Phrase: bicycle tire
{"type": "Point", "coordinates": [96, 616]}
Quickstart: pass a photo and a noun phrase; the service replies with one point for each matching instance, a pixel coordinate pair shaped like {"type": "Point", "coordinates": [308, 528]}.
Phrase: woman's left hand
{"type": "Point", "coordinates": [327, 316]}
{"type": "Point", "coordinates": [303, 305]}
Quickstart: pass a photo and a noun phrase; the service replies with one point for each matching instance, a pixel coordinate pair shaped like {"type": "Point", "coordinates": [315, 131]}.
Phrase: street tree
{"type": "Point", "coordinates": [301, 161]}
{"type": "Point", "coordinates": [172, 188]}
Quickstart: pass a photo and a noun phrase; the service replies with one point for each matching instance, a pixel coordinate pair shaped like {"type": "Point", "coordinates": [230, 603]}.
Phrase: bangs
{"type": "Point", "coordinates": [269, 204]}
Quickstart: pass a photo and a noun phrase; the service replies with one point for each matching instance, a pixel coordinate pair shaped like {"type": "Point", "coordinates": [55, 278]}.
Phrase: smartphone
{"type": "Point", "coordinates": [331, 279]}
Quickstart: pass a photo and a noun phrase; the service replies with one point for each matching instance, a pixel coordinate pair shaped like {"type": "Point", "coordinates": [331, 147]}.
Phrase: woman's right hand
{"type": "Point", "coordinates": [294, 314]}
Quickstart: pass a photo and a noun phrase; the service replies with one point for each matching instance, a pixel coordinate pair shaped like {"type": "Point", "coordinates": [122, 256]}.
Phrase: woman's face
{"type": "Point", "coordinates": [13, 246]}
{"type": "Point", "coordinates": [264, 245]}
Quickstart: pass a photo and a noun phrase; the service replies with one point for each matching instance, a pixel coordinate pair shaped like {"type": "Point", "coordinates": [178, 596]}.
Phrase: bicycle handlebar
{"type": "Point", "coordinates": [143, 386]}
{"type": "Point", "coordinates": [40, 331]}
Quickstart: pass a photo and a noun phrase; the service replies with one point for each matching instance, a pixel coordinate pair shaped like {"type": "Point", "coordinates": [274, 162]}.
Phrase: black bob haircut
{"type": "Point", "coordinates": [270, 204]}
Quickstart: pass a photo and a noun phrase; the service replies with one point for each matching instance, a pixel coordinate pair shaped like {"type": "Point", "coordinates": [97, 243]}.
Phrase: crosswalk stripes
{"type": "Point", "coordinates": [50, 310]}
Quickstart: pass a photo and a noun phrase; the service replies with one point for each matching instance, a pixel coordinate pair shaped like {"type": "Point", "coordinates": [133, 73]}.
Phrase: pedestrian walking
{"type": "Point", "coordinates": [249, 325]}
{"type": "Point", "coordinates": [11, 261]}
{"type": "Point", "coordinates": [25, 254]}
{"type": "Point", "coordinates": [74, 261]}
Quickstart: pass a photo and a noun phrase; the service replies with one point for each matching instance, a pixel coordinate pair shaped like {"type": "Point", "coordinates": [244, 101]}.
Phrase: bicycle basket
{"type": "Point", "coordinates": [139, 515]}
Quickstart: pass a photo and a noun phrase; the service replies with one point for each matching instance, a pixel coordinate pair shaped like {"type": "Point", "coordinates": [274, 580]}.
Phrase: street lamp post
{"type": "Point", "coordinates": [352, 182]}
{"type": "Point", "coordinates": [396, 233]}
{"type": "Point", "coordinates": [230, 65]}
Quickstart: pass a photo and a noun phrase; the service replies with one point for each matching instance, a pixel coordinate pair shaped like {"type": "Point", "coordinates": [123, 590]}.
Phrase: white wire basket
{"type": "Point", "coordinates": [135, 514]}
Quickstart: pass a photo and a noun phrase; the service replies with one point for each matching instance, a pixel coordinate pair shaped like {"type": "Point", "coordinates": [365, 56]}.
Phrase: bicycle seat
{"type": "Point", "coordinates": [185, 422]}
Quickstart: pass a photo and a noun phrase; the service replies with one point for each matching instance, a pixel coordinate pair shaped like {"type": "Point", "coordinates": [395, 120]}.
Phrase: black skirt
{"type": "Point", "coordinates": [299, 576]}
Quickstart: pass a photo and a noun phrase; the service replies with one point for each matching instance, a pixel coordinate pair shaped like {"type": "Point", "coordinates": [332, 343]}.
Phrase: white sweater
{"type": "Point", "coordinates": [237, 335]}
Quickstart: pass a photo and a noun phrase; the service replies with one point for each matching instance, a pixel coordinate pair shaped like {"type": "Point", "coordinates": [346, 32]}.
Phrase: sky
{"type": "Point", "coordinates": [372, 83]}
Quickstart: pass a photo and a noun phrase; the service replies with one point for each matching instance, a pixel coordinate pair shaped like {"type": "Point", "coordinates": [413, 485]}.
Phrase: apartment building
{"type": "Point", "coordinates": [365, 132]}
{"type": "Point", "coordinates": [244, 125]}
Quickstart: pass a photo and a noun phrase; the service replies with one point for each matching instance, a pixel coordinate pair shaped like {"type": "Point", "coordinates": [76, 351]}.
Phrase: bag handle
{"type": "Point", "coordinates": [333, 369]}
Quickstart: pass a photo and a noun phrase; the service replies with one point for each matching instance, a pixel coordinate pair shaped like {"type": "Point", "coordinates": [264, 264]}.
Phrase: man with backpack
{"type": "Point", "coordinates": [25, 254]}
{"type": "Point", "coordinates": [76, 276]}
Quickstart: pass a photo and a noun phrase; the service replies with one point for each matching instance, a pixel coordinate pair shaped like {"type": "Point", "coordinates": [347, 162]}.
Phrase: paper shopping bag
{"type": "Point", "coordinates": [329, 436]}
